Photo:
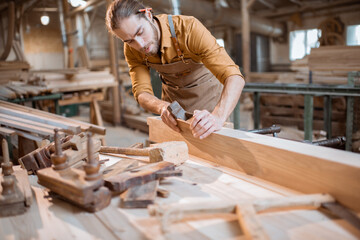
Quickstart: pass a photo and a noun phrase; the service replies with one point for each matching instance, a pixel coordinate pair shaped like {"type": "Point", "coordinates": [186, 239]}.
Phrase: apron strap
{"type": "Point", "coordinates": [174, 39]}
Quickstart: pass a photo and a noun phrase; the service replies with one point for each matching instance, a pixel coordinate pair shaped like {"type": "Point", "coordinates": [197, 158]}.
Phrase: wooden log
{"type": "Point", "coordinates": [299, 166]}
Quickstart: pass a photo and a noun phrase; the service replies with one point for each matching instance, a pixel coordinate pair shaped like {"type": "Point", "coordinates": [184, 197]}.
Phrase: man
{"type": "Point", "coordinates": [188, 60]}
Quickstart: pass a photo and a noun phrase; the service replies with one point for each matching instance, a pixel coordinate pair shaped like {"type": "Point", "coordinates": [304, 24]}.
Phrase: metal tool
{"type": "Point", "coordinates": [274, 130]}
{"type": "Point", "coordinates": [178, 112]}
{"type": "Point", "coordinates": [333, 142]}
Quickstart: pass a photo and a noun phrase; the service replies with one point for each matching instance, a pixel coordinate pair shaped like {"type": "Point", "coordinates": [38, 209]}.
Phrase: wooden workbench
{"type": "Point", "coordinates": [201, 181]}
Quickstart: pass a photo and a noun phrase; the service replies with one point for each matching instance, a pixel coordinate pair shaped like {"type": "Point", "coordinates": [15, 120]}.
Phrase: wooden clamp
{"type": "Point", "coordinates": [16, 196]}
{"type": "Point", "coordinates": [74, 147]}
{"type": "Point", "coordinates": [83, 188]}
{"type": "Point", "coordinates": [246, 211]}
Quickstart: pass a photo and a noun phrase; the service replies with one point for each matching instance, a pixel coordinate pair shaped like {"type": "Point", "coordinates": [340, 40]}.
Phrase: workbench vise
{"type": "Point", "coordinates": [84, 188]}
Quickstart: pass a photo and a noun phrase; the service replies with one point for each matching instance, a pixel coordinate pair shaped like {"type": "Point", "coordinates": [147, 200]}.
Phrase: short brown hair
{"type": "Point", "coordinates": [120, 9]}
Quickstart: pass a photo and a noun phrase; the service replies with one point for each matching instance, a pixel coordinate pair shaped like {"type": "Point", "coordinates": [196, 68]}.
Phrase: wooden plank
{"type": "Point", "coordinates": [28, 135]}
{"type": "Point", "coordinates": [74, 128]}
{"type": "Point", "coordinates": [95, 113]}
{"type": "Point", "coordinates": [99, 96]}
{"type": "Point", "coordinates": [53, 117]}
{"type": "Point", "coordinates": [7, 93]}
{"type": "Point", "coordinates": [6, 131]}
{"type": "Point", "coordinates": [28, 122]}
{"type": "Point", "coordinates": [139, 196]}
{"type": "Point", "coordinates": [121, 182]}
{"type": "Point", "coordinates": [249, 223]}
{"type": "Point", "coordinates": [13, 65]}
{"type": "Point", "coordinates": [26, 127]}
{"type": "Point", "coordinates": [328, 58]}
{"type": "Point", "coordinates": [119, 167]}
{"type": "Point", "coordinates": [299, 166]}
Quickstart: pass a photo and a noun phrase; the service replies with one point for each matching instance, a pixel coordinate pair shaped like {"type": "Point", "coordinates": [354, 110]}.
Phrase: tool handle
{"type": "Point", "coordinates": [127, 151]}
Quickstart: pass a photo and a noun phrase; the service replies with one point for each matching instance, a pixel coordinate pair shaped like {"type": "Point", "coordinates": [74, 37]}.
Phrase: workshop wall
{"type": "Point", "coordinates": [42, 44]}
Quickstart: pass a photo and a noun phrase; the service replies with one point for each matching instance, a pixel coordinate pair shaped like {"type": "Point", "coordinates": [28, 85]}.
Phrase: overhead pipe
{"type": "Point", "coordinates": [11, 29]}
{"type": "Point", "coordinates": [231, 17]}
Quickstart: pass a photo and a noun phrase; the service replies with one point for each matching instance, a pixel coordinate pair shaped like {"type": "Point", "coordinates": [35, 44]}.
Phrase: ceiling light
{"type": "Point", "coordinates": [45, 19]}
{"type": "Point", "coordinates": [77, 3]}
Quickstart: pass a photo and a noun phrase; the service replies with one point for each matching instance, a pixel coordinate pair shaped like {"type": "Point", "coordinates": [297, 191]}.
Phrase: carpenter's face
{"type": "Point", "coordinates": [139, 33]}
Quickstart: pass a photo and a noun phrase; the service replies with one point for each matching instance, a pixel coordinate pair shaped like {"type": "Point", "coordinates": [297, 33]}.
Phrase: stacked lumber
{"type": "Point", "coordinates": [288, 110]}
{"type": "Point", "coordinates": [14, 90]}
{"type": "Point", "coordinates": [81, 80]}
{"type": "Point", "coordinates": [37, 125]}
{"type": "Point", "coordinates": [335, 58]}
{"type": "Point", "coordinates": [13, 65]}
{"type": "Point", "coordinates": [331, 76]}
{"type": "Point", "coordinates": [274, 77]}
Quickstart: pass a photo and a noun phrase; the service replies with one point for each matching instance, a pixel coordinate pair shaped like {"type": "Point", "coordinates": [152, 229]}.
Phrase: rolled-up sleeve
{"type": "Point", "coordinates": [201, 43]}
{"type": "Point", "coordinates": [139, 73]}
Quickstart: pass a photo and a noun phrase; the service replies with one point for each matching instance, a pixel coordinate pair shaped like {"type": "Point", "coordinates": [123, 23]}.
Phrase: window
{"type": "Point", "coordinates": [353, 35]}
{"type": "Point", "coordinates": [221, 42]}
{"type": "Point", "coordinates": [301, 43]}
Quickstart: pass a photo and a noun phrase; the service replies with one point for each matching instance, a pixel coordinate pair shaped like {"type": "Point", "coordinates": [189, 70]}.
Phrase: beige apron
{"type": "Point", "coordinates": [188, 82]}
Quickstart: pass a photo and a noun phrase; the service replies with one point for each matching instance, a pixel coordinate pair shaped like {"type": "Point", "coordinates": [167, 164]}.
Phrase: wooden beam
{"type": "Point", "coordinates": [299, 166]}
{"type": "Point", "coordinates": [68, 29]}
{"type": "Point", "coordinates": [305, 7]}
{"type": "Point", "coordinates": [250, 3]}
{"type": "Point", "coordinates": [82, 8]}
{"type": "Point", "coordinates": [268, 4]}
{"type": "Point", "coordinates": [116, 98]}
{"type": "Point", "coordinates": [245, 33]}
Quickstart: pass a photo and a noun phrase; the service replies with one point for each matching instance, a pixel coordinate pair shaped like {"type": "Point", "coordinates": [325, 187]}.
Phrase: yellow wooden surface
{"type": "Point", "coordinates": [299, 166]}
{"type": "Point", "coordinates": [201, 182]}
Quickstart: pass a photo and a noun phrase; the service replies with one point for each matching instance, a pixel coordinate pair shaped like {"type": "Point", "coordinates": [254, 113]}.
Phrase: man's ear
{"type": "Point", "coordinates": [149, 16]}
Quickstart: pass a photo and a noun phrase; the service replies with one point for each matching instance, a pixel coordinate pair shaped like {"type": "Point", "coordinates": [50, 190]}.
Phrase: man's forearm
{"type": "Point", "coordinates": [151, 103]}
{"type": "Point", "coordinates": [230, 95]}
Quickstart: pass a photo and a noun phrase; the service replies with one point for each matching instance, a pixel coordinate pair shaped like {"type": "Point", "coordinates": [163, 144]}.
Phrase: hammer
{"type": "Point", "coordinates": [175, 152]}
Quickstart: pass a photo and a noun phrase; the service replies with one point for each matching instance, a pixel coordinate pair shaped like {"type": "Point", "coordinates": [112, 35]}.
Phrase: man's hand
{"type": "Point", "coordinates": [168, 119]}
{"type": "Point", "coordinates": [204, 123]}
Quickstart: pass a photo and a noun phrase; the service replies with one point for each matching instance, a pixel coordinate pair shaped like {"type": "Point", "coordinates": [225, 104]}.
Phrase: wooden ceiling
{"type": "Point", "coordinates": [272, 9]}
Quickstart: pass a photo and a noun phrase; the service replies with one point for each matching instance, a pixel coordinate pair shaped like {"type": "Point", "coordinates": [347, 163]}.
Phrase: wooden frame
{"type": "Point", "coordinates": [299, 166]}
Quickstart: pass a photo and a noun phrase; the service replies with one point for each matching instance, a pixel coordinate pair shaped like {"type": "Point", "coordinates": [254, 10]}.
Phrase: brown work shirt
{"type": "Point", "coordinates": [195, 41]}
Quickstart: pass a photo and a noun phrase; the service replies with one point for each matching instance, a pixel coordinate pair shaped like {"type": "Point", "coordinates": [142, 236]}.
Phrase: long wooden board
{"type": "Point", "coordinates": [299, 166]}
